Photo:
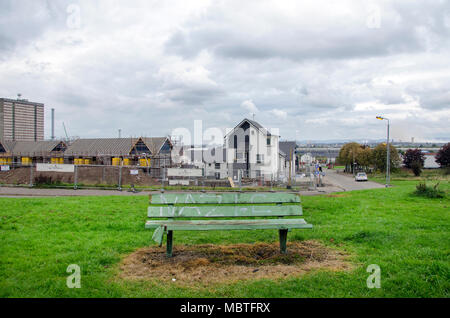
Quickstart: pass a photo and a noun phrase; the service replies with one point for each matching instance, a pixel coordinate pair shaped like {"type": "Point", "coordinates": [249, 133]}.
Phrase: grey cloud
{"type": "Point", "coordinates": [193, 96]}
{"type": "Point", "coordinates": [402, 31]}
{"type": "Point", "coordinates": [388, 94]}
{"type": "Point", "coordinates": [23, 21]}
{"type": "Point", "coordinates": [73, 98]}
{"type": "Point", "coordinates": [433, 95]}
{"type": "Point", "coordinates": [115, 73]}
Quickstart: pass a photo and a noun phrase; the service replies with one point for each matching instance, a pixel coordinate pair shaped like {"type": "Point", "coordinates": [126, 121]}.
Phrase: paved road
{"type": "Point", "coordinates": [348, 183]}
{"type": "Point", "coordinates": [14, 192]}
{"type": "Point", "coordinates": [34, 192]}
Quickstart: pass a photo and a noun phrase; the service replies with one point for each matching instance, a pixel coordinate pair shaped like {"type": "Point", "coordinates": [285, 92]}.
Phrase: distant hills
{"type": "Point", "coordinates": [437, 142]}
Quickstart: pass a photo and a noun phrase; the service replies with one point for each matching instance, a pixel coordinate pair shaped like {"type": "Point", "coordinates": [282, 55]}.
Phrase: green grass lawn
{"type": "Point", "coordinates": [407, 175]}
{"type": "Point", "coordinates": [407, 236]}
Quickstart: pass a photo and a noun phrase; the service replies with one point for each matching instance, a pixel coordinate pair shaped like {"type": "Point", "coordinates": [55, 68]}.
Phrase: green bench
{"type": "Point", "coordinates": [200, 212]}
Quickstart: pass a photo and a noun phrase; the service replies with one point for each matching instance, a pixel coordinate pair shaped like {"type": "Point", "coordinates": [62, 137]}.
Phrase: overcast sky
{"type": "Point", "coordinates": [313, 69]}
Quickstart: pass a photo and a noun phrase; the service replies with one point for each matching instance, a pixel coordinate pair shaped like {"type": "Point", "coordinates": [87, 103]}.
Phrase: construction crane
{"type": "Point", "coordinates": [65, 131]}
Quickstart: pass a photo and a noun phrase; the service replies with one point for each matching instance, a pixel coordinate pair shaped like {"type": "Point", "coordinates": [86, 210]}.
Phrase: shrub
{"type": "Point", "coordinates": [416, 167]}
{"type": "Point", "coordinates": [429, 191]}
{"type": "Point", "coordinates": [46, 180]}
{"type": "Point", "coordinates": [443, 156]}
{"type": "Point", "coordinates": [447, 171]}
{"type": "Point", "coordinates": [412, 156]}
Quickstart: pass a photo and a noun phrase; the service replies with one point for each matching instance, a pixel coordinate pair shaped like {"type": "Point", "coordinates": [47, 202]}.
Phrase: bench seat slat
{"type": "Point", "coordinates": [205, 225]}
{"type": "Point", "coordinates": [241, 210]}
{"type": "Point", "coordinates": [224, 198]}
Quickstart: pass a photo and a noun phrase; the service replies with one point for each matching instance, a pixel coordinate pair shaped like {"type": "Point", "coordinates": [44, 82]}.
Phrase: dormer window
{"type": "Point", "coordinates": [139, 148]}
{"type": "Point", "coordinates": [59, 147]}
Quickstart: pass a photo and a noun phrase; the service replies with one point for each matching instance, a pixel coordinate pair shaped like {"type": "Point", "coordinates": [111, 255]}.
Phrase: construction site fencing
{"type": "Point", "coordinates": [82, 176]}
{"type": "Point", "coordinates": [119, 177]}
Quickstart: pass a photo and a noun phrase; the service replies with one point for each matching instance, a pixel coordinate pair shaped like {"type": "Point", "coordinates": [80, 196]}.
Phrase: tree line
{"type": "Point", "coordinates": [361, 157]}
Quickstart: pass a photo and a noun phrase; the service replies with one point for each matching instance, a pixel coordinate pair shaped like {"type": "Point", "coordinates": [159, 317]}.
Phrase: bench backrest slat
{"type": "Point", "coordinates": [241, 210]}
{"type": "Point", "coordinates": [204, 205]}
{"type": "Point", "coordinates": [224, 198]}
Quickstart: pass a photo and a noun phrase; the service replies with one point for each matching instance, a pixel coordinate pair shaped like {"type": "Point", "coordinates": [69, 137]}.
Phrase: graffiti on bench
{"type": "Point", "coordinates": [222, 205]}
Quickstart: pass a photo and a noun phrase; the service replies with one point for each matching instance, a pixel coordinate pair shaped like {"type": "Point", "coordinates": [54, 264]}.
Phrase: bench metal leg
{"type": "Point", "coordinates": [169, 243]}
{"type": "Point", "coordinates": [283, 240]}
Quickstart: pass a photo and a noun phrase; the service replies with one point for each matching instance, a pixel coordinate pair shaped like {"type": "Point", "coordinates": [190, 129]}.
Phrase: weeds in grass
{"type": "Point", "coordinates": [429, 191]}
{"type": "Point", "coordinates": [447, 171]}
{"type": "Point", "coordinates": [43, 180]}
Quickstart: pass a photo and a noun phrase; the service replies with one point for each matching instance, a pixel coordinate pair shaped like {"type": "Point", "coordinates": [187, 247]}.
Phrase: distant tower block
{"type": "Point", "coordinates": [21, 120]}
{"type": "Point", "coordinates": [412, 140]}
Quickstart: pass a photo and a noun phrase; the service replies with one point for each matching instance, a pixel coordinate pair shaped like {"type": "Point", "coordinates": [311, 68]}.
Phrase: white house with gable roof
{"type": "Point", "coordinates": [253, 150]}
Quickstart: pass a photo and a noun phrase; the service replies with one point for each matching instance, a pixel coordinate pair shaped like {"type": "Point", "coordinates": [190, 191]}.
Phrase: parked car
{"type": "Point", "coordinates": [361, 176]}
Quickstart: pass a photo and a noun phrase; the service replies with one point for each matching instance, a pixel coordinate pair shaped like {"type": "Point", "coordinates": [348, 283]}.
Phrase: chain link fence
{"type": "Point", "coordinates": [83, 176]}
{"type": "Point", "coordinates": [119, 177]}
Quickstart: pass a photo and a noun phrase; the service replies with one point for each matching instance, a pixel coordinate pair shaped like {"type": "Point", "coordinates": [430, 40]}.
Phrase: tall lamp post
{"type": "Point", "coordinates": [388, 162]}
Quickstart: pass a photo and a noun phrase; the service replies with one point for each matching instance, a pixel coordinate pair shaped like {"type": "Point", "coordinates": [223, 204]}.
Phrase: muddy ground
{"type": "Point", "coordinates": [85, 175]}
{"type": "Point", "coordinates": [217, 264]}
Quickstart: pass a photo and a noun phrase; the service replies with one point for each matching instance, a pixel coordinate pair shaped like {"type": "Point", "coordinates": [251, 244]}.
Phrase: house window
{"type": "Point", "coordinates": [235, 141]}
{"type": "Point", "coordinates": [59, 147]}
{"type": "Point", "coordinates": [139, 148]}
{"type": "Point", "coordinates": [217, 165]}
{"type": "Point", "coordinates": [165, 148]}
{"type": "Point", "coordinates": [259, 158]}
{"type": "Point", "coordinates": [268, 141]}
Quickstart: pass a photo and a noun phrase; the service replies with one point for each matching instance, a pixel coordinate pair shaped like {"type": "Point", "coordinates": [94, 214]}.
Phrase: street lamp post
{"type": "Point", "coordinates": [388, 162]}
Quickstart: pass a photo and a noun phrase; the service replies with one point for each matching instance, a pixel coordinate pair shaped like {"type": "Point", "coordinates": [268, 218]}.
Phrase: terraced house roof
{"type": "Point", "coordinates": [31, 148]}
{"type": "Point", "coordinates": [113, 146]}
{"type": "Point", "coordinates": [287, 146]}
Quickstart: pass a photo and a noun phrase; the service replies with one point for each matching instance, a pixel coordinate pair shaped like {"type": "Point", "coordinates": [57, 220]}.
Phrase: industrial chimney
{"type": "Point", "coordinates": [53, 124]}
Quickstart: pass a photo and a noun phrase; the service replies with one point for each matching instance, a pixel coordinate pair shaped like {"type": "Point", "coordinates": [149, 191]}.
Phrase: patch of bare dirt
{"type": "Point", "coordinates": [16, 176]}
{"type": "Point", "coordinates": [85, 174]}
{"type": "Point", "coordinates": [210, 263]}
{"type": "Point", "coordinates": [340, 195]}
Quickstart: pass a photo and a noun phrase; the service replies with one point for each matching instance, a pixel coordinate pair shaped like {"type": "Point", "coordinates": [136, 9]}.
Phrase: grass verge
{"type": "Point", "coordinates": [406, 235]}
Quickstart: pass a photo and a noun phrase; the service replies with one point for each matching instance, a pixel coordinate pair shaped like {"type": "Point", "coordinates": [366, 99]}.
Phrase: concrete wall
{"type": "Point", "coordinates": [211, 170]}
